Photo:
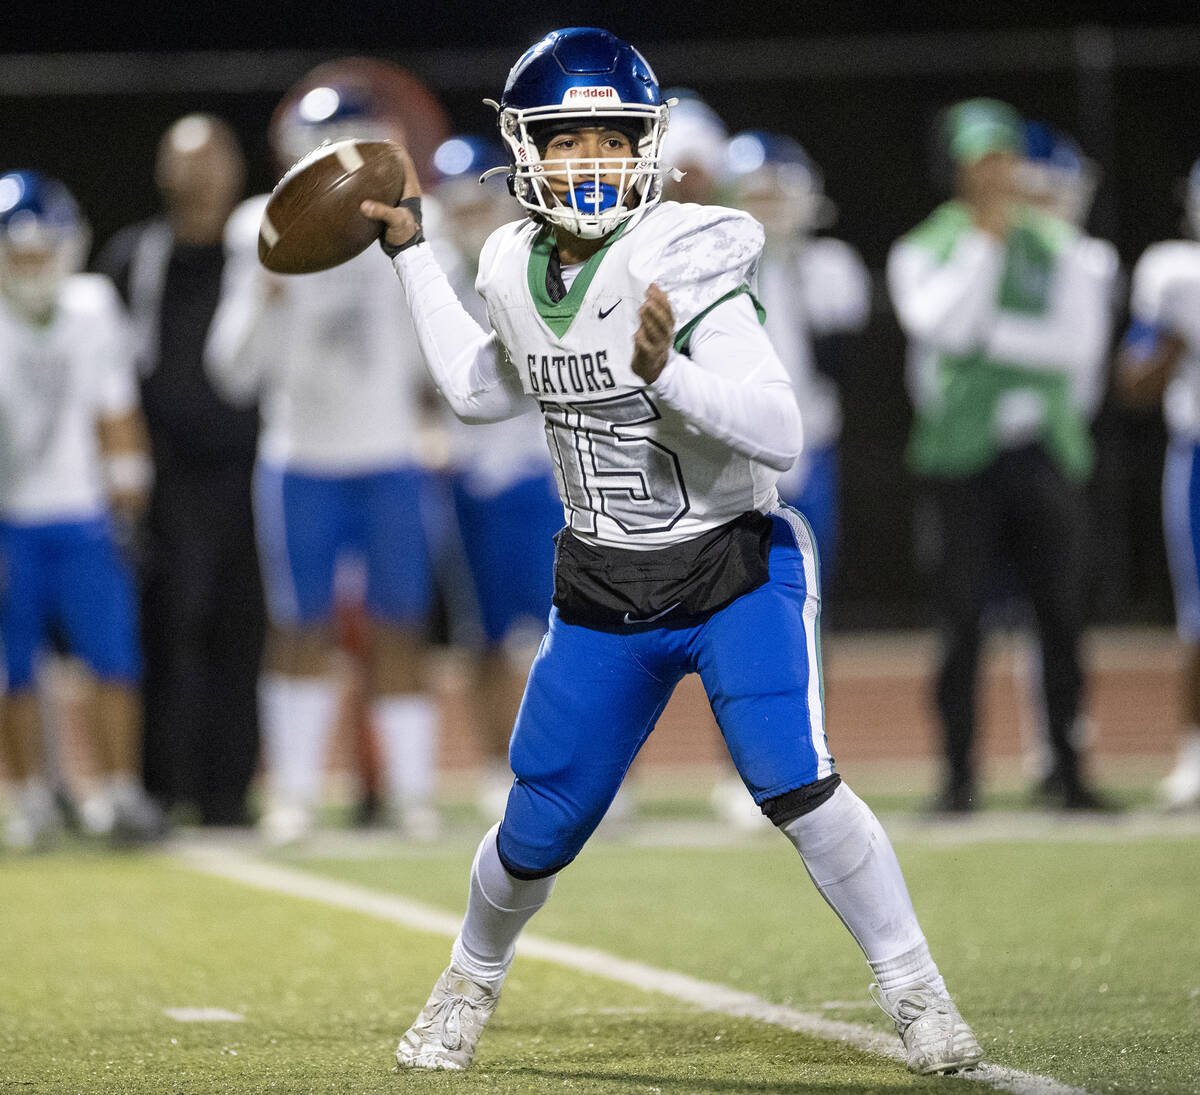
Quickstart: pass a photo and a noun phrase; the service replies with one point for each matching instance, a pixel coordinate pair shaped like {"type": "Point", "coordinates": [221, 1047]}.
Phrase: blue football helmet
{"type": "Point", "coordinates": [773, 177]}
{"type": "Point", "coordinates": [574, 78]}
{"type": "Point", "coordinates": [469, 190]}
{"type": "Point", "coordinates": [43, 239]}
{"type": "Point", "coordinates": [1056, 175]}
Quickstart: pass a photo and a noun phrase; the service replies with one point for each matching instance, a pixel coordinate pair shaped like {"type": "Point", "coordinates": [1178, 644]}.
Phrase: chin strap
{"type": "Point", "coordinates": [413, 205]}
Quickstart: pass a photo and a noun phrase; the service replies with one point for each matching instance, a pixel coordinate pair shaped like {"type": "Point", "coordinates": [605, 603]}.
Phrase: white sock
{"type": "Point", "coordinates": [914, 967]}
{"type": "Point", "coordinates": [297, 720]}
{"type": "Point", "coordinates": [851, 860]}
{"type": "Point", "coordinates": [408, 726]}
{"type": "Point", "coordinates": [498, 907]}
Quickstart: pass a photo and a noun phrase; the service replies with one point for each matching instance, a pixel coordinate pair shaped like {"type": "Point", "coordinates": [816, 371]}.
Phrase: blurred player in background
{"type": "Point", "coordinates": [73, 478]}
{"type": "Point", "coordinates": [816, 291]}
{"type": "Point", "coordinates": [202, 605]}
{"type": "Point", "coordinates": [338, 486]}
{"type": "Point", "coordinates": [694, 148]}
{"type": "Point", "coordinates": [504, 497]}
{"type": "Point", "coordinates": [1160, 359]}
{"type": "Point", "coordinates": [1056, 177]}
{"type": "Point", "coordinates": [995, 297]}
{"type": "Point", "coordinates": [630, 322]}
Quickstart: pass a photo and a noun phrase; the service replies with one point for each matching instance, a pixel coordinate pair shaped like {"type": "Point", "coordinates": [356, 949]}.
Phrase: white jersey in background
{"type": "Point", "coordinates": [56, 383]}
{"type": "Point", "coordinates": [818, 288]}
{"type": "Point", "coordinates": [632, 470]}
{"type": "Point", "coordinates": [331, 356]}
{"type": "Point", "coordinates": [1165, 289]}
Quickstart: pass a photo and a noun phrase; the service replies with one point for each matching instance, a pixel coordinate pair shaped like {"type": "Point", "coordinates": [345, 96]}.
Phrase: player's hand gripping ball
{"type": "Point", "coordinates": [312, 220]}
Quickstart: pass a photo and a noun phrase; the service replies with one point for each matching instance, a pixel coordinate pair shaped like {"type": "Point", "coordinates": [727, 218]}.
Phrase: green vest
{"type": "Point", "coordinates": [956, 434]}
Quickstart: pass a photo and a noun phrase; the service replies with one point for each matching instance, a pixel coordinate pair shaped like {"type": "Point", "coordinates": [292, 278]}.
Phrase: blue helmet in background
{"type": "Point", "coordinates": [468, 156]}
{"type": "Point", "coordinates": [573, 78]}
{"type": "Point", "coordinates": [43, 239]}
{"type": "Point", "coordinates": [470, 189]}
{"type": "Point", "coordinates": [774, 178]}
{"type": "Point", "coordinates": [1056, 174]}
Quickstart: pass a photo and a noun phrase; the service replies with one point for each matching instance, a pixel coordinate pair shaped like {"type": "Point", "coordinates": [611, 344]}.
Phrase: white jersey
{"type": "Point", "coordinates": [330, 356]}
{"type": "Point", "coordinates": [56, 383]}
{"type": "Point", "coordinates": [496, 455]}
{"type": "Point", "coordinates": [809, 291]}
{"type": "Point", "coordinates": [634, 469]}
{"type": "Point", "coordinates": [1160, 296]}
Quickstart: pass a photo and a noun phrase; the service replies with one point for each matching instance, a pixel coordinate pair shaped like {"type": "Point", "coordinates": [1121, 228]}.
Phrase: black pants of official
{"type": "Point", "coordinates": [203, 626]}
{"type": "Point", "coordinates": [1022, 515]}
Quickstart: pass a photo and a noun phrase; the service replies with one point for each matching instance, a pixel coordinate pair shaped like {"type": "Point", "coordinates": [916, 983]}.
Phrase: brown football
{"type": "Point", "coordinates": [312, 219]}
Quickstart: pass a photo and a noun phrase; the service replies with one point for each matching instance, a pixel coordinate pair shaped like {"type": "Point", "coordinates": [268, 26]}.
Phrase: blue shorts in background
{"type": "Point", "coordinates": [508, 545]}
{"type": "Point", "coordinates": [1181, 528]}
{"type": "Point", "coordinates": [308, 525]}
{"type": "Point", "coordinates": [67, 578]}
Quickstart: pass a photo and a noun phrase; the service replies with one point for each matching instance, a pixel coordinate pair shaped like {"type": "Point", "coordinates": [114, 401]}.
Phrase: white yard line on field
{"type": "Point", "coordinates": [242, 867]}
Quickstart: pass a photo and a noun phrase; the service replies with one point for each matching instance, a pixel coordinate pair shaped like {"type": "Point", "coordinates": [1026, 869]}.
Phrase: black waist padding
{"type": "Point", "coordinates": [676, 586]}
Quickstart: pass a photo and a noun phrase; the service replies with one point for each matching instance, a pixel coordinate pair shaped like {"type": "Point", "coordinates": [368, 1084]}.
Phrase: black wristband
{"type": "Point", "coordinates": [413, 205]}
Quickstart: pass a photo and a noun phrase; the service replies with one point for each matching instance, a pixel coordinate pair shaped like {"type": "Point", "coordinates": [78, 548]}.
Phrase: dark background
{"type": "Point", "coordinates": [85, 96]}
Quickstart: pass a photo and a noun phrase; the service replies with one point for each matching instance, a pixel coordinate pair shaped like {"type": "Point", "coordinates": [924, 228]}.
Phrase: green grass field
{"type": "Point", "coordinates": [1075, 957]}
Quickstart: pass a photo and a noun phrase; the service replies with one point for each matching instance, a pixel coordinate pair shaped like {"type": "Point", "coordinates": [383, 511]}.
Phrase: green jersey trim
{"type": "Point", "coordinates": [559, 315]}
{"type": "Point", "coordinates": [685, 332]}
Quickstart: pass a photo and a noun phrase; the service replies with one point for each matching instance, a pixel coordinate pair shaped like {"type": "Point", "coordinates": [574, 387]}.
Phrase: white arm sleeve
{"type": "Point", "coordinates": [467, 363]}
{"type": "Point", "coordinates": [732, 386]}
{"type": "Point", "coordinates": [948, 305]}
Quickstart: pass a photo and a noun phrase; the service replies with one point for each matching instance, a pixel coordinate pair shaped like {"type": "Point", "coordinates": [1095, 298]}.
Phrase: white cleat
{"type": "Point", "coordinates": [286, 824]}
{"type": "Point", "coordinates": [1181, 788]}
{"type": "Point", "coordinates": [935, 1036]}
{"type": "Point", "coordinates": [448, 1028]}
{"type": "Point", "coordinates": [34, 823]}
{"type": "Point", "coordinates": [137, 818]}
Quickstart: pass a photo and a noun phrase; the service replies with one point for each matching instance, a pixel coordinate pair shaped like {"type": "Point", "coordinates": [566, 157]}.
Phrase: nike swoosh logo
{"type": "Point", "coordinates": [604, 313]}
{"type": "Point", "coordinates": [658, 615]}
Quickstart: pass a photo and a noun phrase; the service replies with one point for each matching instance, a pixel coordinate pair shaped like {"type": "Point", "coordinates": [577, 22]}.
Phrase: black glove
{"type": "Point", "coordinates": [413, 205]}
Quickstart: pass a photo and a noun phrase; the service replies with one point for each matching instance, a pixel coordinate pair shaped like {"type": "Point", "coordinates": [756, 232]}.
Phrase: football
{"type": "Point", "coordinates": [312, 220]}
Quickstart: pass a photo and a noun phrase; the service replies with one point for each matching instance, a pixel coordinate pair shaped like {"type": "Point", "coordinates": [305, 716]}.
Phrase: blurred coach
{"type": "Point", "coordinates": [202, 605]}
{"type": "Point", "coordinates": [1004, 306]}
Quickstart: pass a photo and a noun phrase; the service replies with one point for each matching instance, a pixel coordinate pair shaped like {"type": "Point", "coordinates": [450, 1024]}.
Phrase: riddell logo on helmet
{"type": "Point", "coordinates": [591, 95]}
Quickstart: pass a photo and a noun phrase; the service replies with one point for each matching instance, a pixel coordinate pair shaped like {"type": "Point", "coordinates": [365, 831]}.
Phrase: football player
{"type": "Point", "coordinates": [333, 363]}
{"type": "Point", "coordinates": [1160, 359]}
{"type": "Point", "coordinates": [816, 290]}
{"type": "Point", "coordinates": [669, 416]}
{"type": "Point", "coordinates": [693, 150]}
{"type": "Point", "coordinates": [502, 483]}
{"type": "Point", "coordinates": [73, 465]}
